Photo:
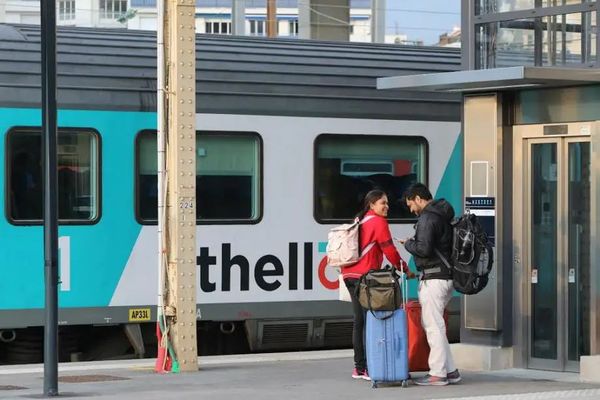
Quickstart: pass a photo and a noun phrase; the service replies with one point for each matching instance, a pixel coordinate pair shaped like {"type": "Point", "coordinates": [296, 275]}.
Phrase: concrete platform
{"type": "Point", "coordinates": [590, 369]}
{"type": "Point", "coordinates": [481, 358]}
{"type": "Point", "coordinates": [289, 376]}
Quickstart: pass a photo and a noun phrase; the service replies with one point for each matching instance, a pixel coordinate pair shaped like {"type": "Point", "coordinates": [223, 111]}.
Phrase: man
{"type": "Point", "coordinates": [433, 231]}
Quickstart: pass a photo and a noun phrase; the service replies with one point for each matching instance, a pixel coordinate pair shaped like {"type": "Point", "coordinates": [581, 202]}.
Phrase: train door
{"type": "Point", "coordinates": [552, 213]}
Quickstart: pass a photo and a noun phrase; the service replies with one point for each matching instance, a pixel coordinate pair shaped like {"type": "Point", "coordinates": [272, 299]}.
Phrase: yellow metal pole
{"type": "Point", "coordinates": [271, 18]}
{"type": "Point", "coordinates": [180, 226]}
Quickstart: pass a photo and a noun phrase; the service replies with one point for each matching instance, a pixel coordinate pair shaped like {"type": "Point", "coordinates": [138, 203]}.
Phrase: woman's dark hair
{"type": "Point", "coordinates": [417, 189]}
{"type": "Point", "coordinates": [370, 198]}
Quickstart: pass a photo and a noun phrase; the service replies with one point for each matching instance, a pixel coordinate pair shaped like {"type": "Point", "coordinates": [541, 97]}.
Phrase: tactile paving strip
{"type": "Point", "coordinates": [11, 387]}
{"type": "Point", "coordinates": [90, 378]}
{"type": "Point", "coordinates": [563, 394]}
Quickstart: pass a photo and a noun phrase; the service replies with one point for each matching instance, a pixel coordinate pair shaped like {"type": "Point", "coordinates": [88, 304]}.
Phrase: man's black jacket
{"type": "Point", "coordinates": [432, 231]}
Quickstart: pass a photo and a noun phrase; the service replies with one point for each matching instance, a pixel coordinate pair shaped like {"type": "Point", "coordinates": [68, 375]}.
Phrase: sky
{"type": "Point", "coordinates": [422, 19]}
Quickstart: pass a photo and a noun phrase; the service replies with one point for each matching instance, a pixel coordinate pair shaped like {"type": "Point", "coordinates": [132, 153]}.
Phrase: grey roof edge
{"type": "Point", "coordinates": [571, 74]}
{"type": "Point", "coordinates": [497, 78]}
{"type": "Point", "coordinates": [423, 81]}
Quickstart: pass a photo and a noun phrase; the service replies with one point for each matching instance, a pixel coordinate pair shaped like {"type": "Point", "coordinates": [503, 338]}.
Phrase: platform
{"type": "Point", "coordinates": [302, 375]}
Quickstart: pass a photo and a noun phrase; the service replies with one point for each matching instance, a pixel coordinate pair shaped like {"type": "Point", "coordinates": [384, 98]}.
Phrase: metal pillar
{"type": "Point", "coordinates": [2, 12]}
{"type": "Point", "coordinates": [271, 18]}
{"type": "Point", "coordinates": [177, 222]}
{"type": "Point", "coordinates": [304, 20]}
{"type": "Point", "coordinates": [48, 22]}
{"type": "Point", "coordinates": [238, 20]}
{"type": "Point", "coordinates": [378, 21]}
{"type": "Point", "coordinates": [324, 19]}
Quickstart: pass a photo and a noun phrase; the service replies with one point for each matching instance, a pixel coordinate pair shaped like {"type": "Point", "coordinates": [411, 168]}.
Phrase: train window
{"type": "Point", "coordinates": [78, 176]}
{"type": "Point", "coordinates": [228, 177]}
{"type": "Point", "coordinates": [348, 166]}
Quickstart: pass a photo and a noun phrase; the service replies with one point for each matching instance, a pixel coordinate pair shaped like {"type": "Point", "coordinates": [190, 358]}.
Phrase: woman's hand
{"type": "Point", "coordinates": [404, 268]}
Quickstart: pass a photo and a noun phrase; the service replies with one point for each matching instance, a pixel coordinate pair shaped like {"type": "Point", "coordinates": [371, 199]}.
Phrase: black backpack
{"type": "Point", "coordinates": [472, 255]}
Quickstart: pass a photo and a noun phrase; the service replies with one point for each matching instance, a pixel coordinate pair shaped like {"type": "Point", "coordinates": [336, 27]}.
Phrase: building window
{"type": "Point", "coordinates": [66, 10]}
{"type": "Point", "coordinates": [348, 166]}
{"type": "Point", "coordinates": [257, 27]}
{"type": "Point", "coordinates": [496, 6]}
{"type": "Point", "coordinates": [532, 32]}
{"type": "Point", "coordinates": [112, 9]}
{"type": "Point", "coordinates": [557, 40]}
{"type": "Point", "coordinates": [218, 27]}
{"type": "Point", "coordinates": [293, 27]}
{"type": "Point", "coordinates": [228, 177]}
{"type": "Point", "coordinates": [78, 176]}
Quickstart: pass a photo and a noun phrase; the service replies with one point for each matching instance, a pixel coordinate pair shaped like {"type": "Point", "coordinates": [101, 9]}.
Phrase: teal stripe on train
{"type": "Point", "coordinates": [99, 252]}
{"type": "Point", "coordinates": [451, 185]}
{"type": "Point", "coordinates": [451, 189]}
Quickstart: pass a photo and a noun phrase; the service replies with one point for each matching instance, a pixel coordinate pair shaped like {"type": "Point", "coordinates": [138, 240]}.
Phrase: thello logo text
{"type": "Point", "coordinates": [268, 271]}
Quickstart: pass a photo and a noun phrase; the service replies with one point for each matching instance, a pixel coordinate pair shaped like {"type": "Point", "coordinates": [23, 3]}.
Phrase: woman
{"type": "Point", "coordinates": [374, 232]}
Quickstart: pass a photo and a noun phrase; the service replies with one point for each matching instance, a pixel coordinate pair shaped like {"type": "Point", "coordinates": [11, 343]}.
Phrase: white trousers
{"type": "Point", "coordinates": [434, 295]}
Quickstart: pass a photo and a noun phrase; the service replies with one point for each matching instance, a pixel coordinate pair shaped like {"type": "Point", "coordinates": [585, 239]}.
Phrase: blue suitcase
{"type": "Point", "coordinates": [387, 345]}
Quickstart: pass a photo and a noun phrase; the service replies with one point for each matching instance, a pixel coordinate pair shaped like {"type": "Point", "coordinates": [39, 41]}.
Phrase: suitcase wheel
{"type": "Point", "coordinates": [405, 384]}
{"type": "Point", "coordinates": [373, 385]}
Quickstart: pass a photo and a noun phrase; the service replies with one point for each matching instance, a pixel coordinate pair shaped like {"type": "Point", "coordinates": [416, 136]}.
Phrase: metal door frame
{"type": "Point", "coordinates": [570, 365]}
{"type": "Point", "coordinates": [533, 362]}
{"type": "Point", "coordinates": [524, 137]}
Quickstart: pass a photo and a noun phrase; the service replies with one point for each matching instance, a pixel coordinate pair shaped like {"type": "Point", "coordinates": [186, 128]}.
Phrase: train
{"type": "Point", "coordinates": [290, 135]}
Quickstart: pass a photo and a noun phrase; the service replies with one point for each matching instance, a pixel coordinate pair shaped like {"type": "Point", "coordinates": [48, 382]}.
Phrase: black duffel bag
{"type": "Point", "coordinates": [379, 290]}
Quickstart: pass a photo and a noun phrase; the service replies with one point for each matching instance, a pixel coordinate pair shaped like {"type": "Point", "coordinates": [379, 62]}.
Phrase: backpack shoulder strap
{"type": "Point", "coordinates": [366, 218]}
{"type": "Point", "coordinates": [370, 245]}
{"type": "Point", "coordinates": [366, 249]}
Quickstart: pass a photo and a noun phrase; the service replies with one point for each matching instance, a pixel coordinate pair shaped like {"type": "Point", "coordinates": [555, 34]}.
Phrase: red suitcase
{"type": "Point", "coordinates": [418, 348]}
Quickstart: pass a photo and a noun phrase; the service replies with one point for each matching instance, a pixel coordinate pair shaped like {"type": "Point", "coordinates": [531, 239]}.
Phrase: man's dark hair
{"type": "Point", "coordinates": [417, 189]}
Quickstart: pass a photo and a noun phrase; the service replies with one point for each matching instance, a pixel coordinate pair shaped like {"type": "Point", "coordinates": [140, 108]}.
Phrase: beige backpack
{"type": "Point", "coordinates": [343, 247]}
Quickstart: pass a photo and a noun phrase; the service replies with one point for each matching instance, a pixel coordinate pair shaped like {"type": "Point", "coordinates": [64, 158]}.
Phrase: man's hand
{"type": "Point", "coordinates": [402, 241]}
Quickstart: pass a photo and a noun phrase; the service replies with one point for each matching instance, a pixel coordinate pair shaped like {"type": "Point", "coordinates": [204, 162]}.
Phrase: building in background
{"type": "Point", "coordinates": [212, 16]}
{"type": "Point", "coordinates": [402, 39]}
{"type": "Point", "coordinates": [451, 39]}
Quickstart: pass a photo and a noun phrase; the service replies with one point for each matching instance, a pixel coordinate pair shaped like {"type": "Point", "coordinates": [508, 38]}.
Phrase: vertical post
{"type": "Point", "coordinates": [468, 38]}
{"type": "Point", "coordinates": [596, 35]}
{"type": "Point", "coordinates": [48, 39]}
{"type": "Point", "coordinates": [238, 14]}
{"type": "Point", "coordinates": [2, 12]}
{"type": "Point", "coordinates": [378, 21]}
{"type": "Point", "coordinates": [304, 20]}
{"type": "Point", "coordinates": [324, 20]}
{"type": "Point", "coordinates": [271, 18]}
{"type": "Point", "coordinates": [161, 117]}
{"type": "Point", "coordinates": [180, 226]}
{"type": "Point", "coordinates": [594, 313]}
{"type": "Point", "coordinates": [538, 38]}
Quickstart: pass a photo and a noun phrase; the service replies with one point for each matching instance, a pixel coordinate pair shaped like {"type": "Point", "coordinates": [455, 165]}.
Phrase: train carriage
{"type": "Point", "coordinates": [290, 135]}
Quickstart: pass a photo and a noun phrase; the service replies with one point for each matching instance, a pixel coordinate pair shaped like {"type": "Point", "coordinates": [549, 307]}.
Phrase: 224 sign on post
{"type": "Point", "coordinates": [139, 314]}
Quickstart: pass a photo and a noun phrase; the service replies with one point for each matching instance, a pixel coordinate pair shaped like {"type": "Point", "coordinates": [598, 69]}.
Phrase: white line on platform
{"type": "Point", "coordinates": [206, 360]}
{"type": "Point", "coordinates": [563, 394]}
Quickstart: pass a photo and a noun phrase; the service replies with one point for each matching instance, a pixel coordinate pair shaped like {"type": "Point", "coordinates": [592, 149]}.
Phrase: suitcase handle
{"type": "Point", "coordinates": [403, 287]}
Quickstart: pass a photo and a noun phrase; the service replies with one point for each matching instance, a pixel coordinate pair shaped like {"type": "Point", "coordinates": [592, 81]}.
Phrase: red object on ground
{"type": "Point", "coordinates": [418, 348]}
